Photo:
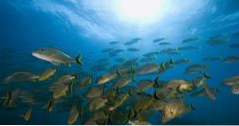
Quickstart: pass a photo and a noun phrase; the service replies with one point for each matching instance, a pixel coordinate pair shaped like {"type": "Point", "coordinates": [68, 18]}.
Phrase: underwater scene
{"type": "Point", "coordinates": [119, 62]}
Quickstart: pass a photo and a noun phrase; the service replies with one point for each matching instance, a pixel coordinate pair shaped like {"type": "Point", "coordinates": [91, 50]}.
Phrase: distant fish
{"type": "Point", "coordinates": [133, 49]}
{"type": "Point", "coordinates": [148, 59]}
{"type": "Point", "coordinates": [113, 42]}
{"type": "Point", "coordinates": [216, 41]}
{"type": "Point", "coordinates": [21, 77]}
{"type": "Point", "coordinates": [182, 61]}
{"type": "Point", "coordinates": [97, 103]}
{"type": "Point", "coordinates": [56, 57]}
{"type": "Point", "coordinates": [151, 54]}
{"type": "Point", "coordinates": [190, 39]}
{"type": "Point", "coordinates": [213, 58]}
{"type": "Point", "coordinates": [164, 43]}
{"type": "Point", "coordinates": [170, 51]}
{"type": "Point", "coordinates": [86, 81]}
{"type": "Point", "coordinates": [94, 92]}
{"type": "Point", "coordinates": [231, 59]}
{"type": "Point", "coordinates": [106, 50]}
{"type": "Point", "coordinates": [148, 69]}
{"type": "Point", "coordinates": [158, 40]}
{"type": "Point", "coordinates": [187, 48]}
{"type": "Point", "coordinates": [133, 41]}
{"type": "Point", "coordinates": [196, 68]}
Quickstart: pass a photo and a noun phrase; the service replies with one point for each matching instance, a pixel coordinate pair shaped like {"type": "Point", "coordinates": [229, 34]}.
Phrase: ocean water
{"type": "Point", "coordinates": [88, 27]}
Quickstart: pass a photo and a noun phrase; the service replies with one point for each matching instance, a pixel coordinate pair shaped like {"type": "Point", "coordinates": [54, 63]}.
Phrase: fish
{"type": "Point", "coordinates": [73, 116]}
{"type": "Point", "coordinates": [11, 98]}
{"type": "Point", "coordinates": [148, 69]}
{"type": "Point", "coordinates": [106, 50]}
{"type": "Point", "coordinates": [164, 43]}
{"type": "Point", "coordinates": [235, 89]}
{"type": "Point", "coordinates": [200, 81]}
{"type": "Point", "coordinates": [50, 105]}
{"type": "Point", "coordinates": [133, 49]}
{"type": "Point", "coordinates": [133, 41]}
{"type": "Point", "coordinates": [181, 86]}
{"type": "Point", "coordinates": [118, 102]}
{"type": "Point", "coordinates": [216, 41]}
{"type": "Point", "coordinates": [174, 109]}
{"type": "Point", "coordinates": [62, 86]}
{"type": "Point", "coordinates": [192, 39]}
{"type": "Point", "coordinates": [139, 122]}
{"type": "Point", "coordinates": [117, 118]}
{"type": "Point", "coordinates": [130, 62]}
{"type": "Point", "coordinates": [182, 61]}
{"type": "Point", "coordinates": [166, 65]}
{"type": "Point", "coordinates": [170, 51]}
{"type": "Point", "coordinates": [122, 82]}
{"type": "Point", "coordinates": [231, 59]}
{"type": "Point", "coordinates": [113, 42]}
{"type": "Point", "coordinates": [144, 85]}
{"type": "Point", "coordinates": [211, 93]}
{"type": "Point", "coordinates": [98, 118]}
{"type": "Point", "coordinates": [206, 92]}
{"type": "Point", "coordinates": [196, 68]}
{"type": "Point", "coordinates": [232, 81]}
{"type": "Point", "coordinates": [27, 115]}
{"type": "Point", "coordinates": [147, 59]}
{"type": "Point", "coordinates": [143, 104]}
{"type": "Point", "coordinates": [56, 57]}
{"type": "Point", "coordinates": [187, 48]}
{"type": "Point", "coordinates": [47, 74]}
{"type": "Point", "coordinates": [21, 77]}
{"type": "Point", "coordinates": [151, 54]}
{"type": "Point", "coordinates": [213, 58]}
{"type": "Point", "coordinates": [86, 81]}
{"type": "Point", "coordinates": [158, 40]}
{"type": "Point", "coordinates": [107, 78]}
{"type": "Point", "coordinates": [97, 103]}
{"type": "Point", "coordinates": [94, 92]}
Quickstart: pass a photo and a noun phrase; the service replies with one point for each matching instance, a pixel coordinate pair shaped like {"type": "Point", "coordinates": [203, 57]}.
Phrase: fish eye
{"type": "Point", "coordinates": [42, 50]}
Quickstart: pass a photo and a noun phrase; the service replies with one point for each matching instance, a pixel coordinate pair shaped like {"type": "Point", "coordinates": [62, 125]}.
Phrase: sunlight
{"type": "Point", "coordinates": [139, 11]}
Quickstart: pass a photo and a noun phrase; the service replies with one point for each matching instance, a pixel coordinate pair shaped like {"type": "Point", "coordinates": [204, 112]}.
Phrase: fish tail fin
{"type": "Point", "coordinates": [79, 59]}
{"type": "Point", "coordinates": [162, 67]}
{"type": "Point", "coordinates": [156, 82]}
{"type": "Point", "coordinates": [192, 107]}
{"type": "Point", "coordinates": [118, 72]}
{"type": "Point", "coordinates": [206, 76]}
{"type": "Point", "coordinates": [171, 61]}
{"type": "Point", "coordinates": [132, 71]}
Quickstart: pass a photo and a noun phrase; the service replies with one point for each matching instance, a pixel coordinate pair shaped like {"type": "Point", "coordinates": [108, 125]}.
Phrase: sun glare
{"type": "Point", "coordinates": [139, 11]}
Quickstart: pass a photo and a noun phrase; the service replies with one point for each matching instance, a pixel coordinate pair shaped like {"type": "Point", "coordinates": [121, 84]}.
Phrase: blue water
{"type": "Point", "coordinates": [87, 28]}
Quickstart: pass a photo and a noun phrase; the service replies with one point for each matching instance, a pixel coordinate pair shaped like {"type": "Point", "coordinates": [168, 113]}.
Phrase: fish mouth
{"type": "Point", "coordinates": [37, 55]}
